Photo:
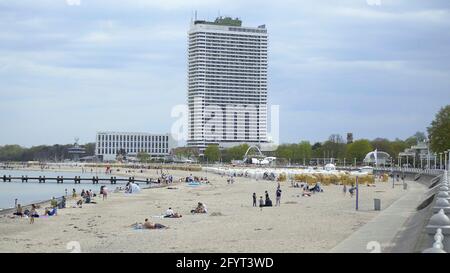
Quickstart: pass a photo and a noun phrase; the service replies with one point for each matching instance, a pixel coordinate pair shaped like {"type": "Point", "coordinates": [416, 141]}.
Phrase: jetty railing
{"type": "Point", "coordinates": [76, 179]}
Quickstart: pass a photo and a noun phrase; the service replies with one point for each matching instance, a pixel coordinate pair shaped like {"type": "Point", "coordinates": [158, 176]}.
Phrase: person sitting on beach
{"type": "Point", "coordinates": [83, 193]}
{"type": "Point", "coordinates": [19, 211]}
{"type": "Point", "coordinates": [80, 203]}
{"type": "Point", "coordinates": [306, 192]}
{"type": "Point", "coordinates": [87, 198]}
{"type": "Point", "coordinates": [268, 203]}
{"type": "Point", "coordinates": [175, 215]}
{"type": "Point", "coordinates": [351, 191]}
{"type": "Point", "coordinates": [52, 212]}
{"type": "Point", "coordinates": [201, 208]}
{"type": "Point", "coordinates": [169, 213]}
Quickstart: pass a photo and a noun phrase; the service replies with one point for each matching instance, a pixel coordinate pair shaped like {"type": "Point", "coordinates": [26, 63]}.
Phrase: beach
{"type": "Point", "coordinates": [301, 224]}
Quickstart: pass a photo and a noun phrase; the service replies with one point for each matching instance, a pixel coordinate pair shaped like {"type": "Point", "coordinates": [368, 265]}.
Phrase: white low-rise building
{"type": "Point", "coordinates": [109, 144]}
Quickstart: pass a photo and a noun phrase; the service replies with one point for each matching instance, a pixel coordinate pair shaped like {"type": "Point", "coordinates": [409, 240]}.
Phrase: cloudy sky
{"type": "Point", "coordinates": [377, 68]}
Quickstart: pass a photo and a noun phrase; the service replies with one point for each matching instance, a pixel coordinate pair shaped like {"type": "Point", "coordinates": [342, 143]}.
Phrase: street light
{"type": "Point", "coordinates": [445, 160]}
{"type": "Point", "coordinates": [448, 163]}
{"type": "Point", "coordinates": [440, 161]}
{"type": "Point", "coordinates": [435, 163]}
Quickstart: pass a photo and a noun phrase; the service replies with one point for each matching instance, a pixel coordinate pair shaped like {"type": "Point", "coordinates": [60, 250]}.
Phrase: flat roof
{"type": "Point", "coordinates": [221, 21]}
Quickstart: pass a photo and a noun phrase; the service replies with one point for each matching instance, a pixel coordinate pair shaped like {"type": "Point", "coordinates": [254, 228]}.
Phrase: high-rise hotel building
{"type": "Point", "coordinates": [227, 83]}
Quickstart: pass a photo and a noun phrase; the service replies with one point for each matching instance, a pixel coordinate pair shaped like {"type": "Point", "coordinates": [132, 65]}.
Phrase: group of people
{"type": "Point", "coordinates": [351, 190]}
{"type": "Point", "coordinates": [171, 214]}
{"type": "Point", "coordinates": [201, 208]}
{"type": "Point", "coordinates": [32, 212]}
{"type": "Point", "coordinates": [307, 190]}
{"type": "Point", "coordinates": [132, 187]}
{"type": "Point", "coordinates": [268, 202]}
{"type": "Point", "coordinates": [230, 179]}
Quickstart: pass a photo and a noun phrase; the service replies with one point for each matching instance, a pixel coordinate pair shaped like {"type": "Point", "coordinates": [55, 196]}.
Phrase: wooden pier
{"type": "Point", "coordinates": [75, 180]}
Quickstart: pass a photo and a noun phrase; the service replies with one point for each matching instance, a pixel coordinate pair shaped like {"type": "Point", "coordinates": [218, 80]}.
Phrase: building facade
{"type": "Point", "coordinates": [110, 144]}
{"type": "Point", "coordinates": [227, 83]}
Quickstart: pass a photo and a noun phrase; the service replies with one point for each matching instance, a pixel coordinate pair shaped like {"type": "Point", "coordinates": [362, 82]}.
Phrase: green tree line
{"type": "Point", "coordinates": [54, 153]}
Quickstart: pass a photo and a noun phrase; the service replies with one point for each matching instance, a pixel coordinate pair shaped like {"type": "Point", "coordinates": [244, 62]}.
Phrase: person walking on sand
{"type": "Point", "coordinates": [344, 189]}
{"type": "Point", "coordinates": [267, 195]}
{"type": "Point", "coordinates": [278, 197]}
{"type": "Point", "coordinates": [254, 199]}
{"type": "Point", "coordinates": [261, 202]}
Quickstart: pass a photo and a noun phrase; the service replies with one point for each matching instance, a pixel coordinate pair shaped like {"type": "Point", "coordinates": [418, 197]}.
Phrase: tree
{"type": "Point", "coordinates": [336, 138]}
{"type": "Point", "coordinates": [11, 152]}
{"type": "Point", "coordinates": [358, 149]}
{"type": "Point", "coordinates": [121, 154]}
{"type": "Point", "coordinates": [143, 157]}
{"type": "Point", "coordinates": [383, 144]}
{"type": "Point", "coordinates": [187, 152]}
{"type": "Point", "coordinates": [317, 150]}
{"type": "Point", "coordinates": [90, 148]}
{"type": "Point", "coordinates": [212, 153]}
{"type": "Point", "coordinates": [235, 152]}
{"type": "Point", "coordinates": [284, 151]}
{"type": "Point", "coordinates": [398, 146]}
{"type": "Point", "coordinates": [439, 131]}
{"type": "Point", "coordinates": [305, 150]}
{"type": "Point", "coordinates": [420, 136]}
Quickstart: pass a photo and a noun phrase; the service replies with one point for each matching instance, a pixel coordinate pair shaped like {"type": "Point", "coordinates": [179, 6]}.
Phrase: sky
{"type": "Point", "coordinates": [70, 68]}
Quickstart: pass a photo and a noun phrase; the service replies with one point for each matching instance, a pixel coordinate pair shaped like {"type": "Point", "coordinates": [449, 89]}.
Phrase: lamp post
{"type": "Point", "coordinates": [445, 160]}
{"type": "Point", "coordinates": [435, 163]}
{"type": "Point", "coordinates": [440, 161]}
{"type": "Point", "coordinates": [357, 193]}
{"type": "Point", "coordinates": [448, 162]}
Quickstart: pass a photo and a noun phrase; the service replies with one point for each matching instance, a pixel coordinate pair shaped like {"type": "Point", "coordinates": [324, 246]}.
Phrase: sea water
{"type": "Point", "coordinates": [34, 192]}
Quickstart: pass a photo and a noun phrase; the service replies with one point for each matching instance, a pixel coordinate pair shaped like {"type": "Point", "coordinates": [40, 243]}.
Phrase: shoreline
{"type": "Point", "coordinates": [11, 210]}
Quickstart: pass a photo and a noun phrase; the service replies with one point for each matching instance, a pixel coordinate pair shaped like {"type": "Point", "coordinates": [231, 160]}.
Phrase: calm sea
{"type": "Point", "coordinates": [33, 192]}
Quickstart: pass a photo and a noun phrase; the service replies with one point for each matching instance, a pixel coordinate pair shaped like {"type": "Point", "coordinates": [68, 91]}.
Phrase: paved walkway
{"type": "Point", "coordinates": [379, 233]}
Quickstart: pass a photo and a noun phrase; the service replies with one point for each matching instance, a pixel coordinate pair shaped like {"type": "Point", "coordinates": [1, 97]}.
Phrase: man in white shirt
{"type": "Point", "coordinates": [169, 213]}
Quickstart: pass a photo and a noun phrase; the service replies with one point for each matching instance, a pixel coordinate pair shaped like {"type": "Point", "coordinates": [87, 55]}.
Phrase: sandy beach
{"type": "Point", "coordinates": [300, 224]}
